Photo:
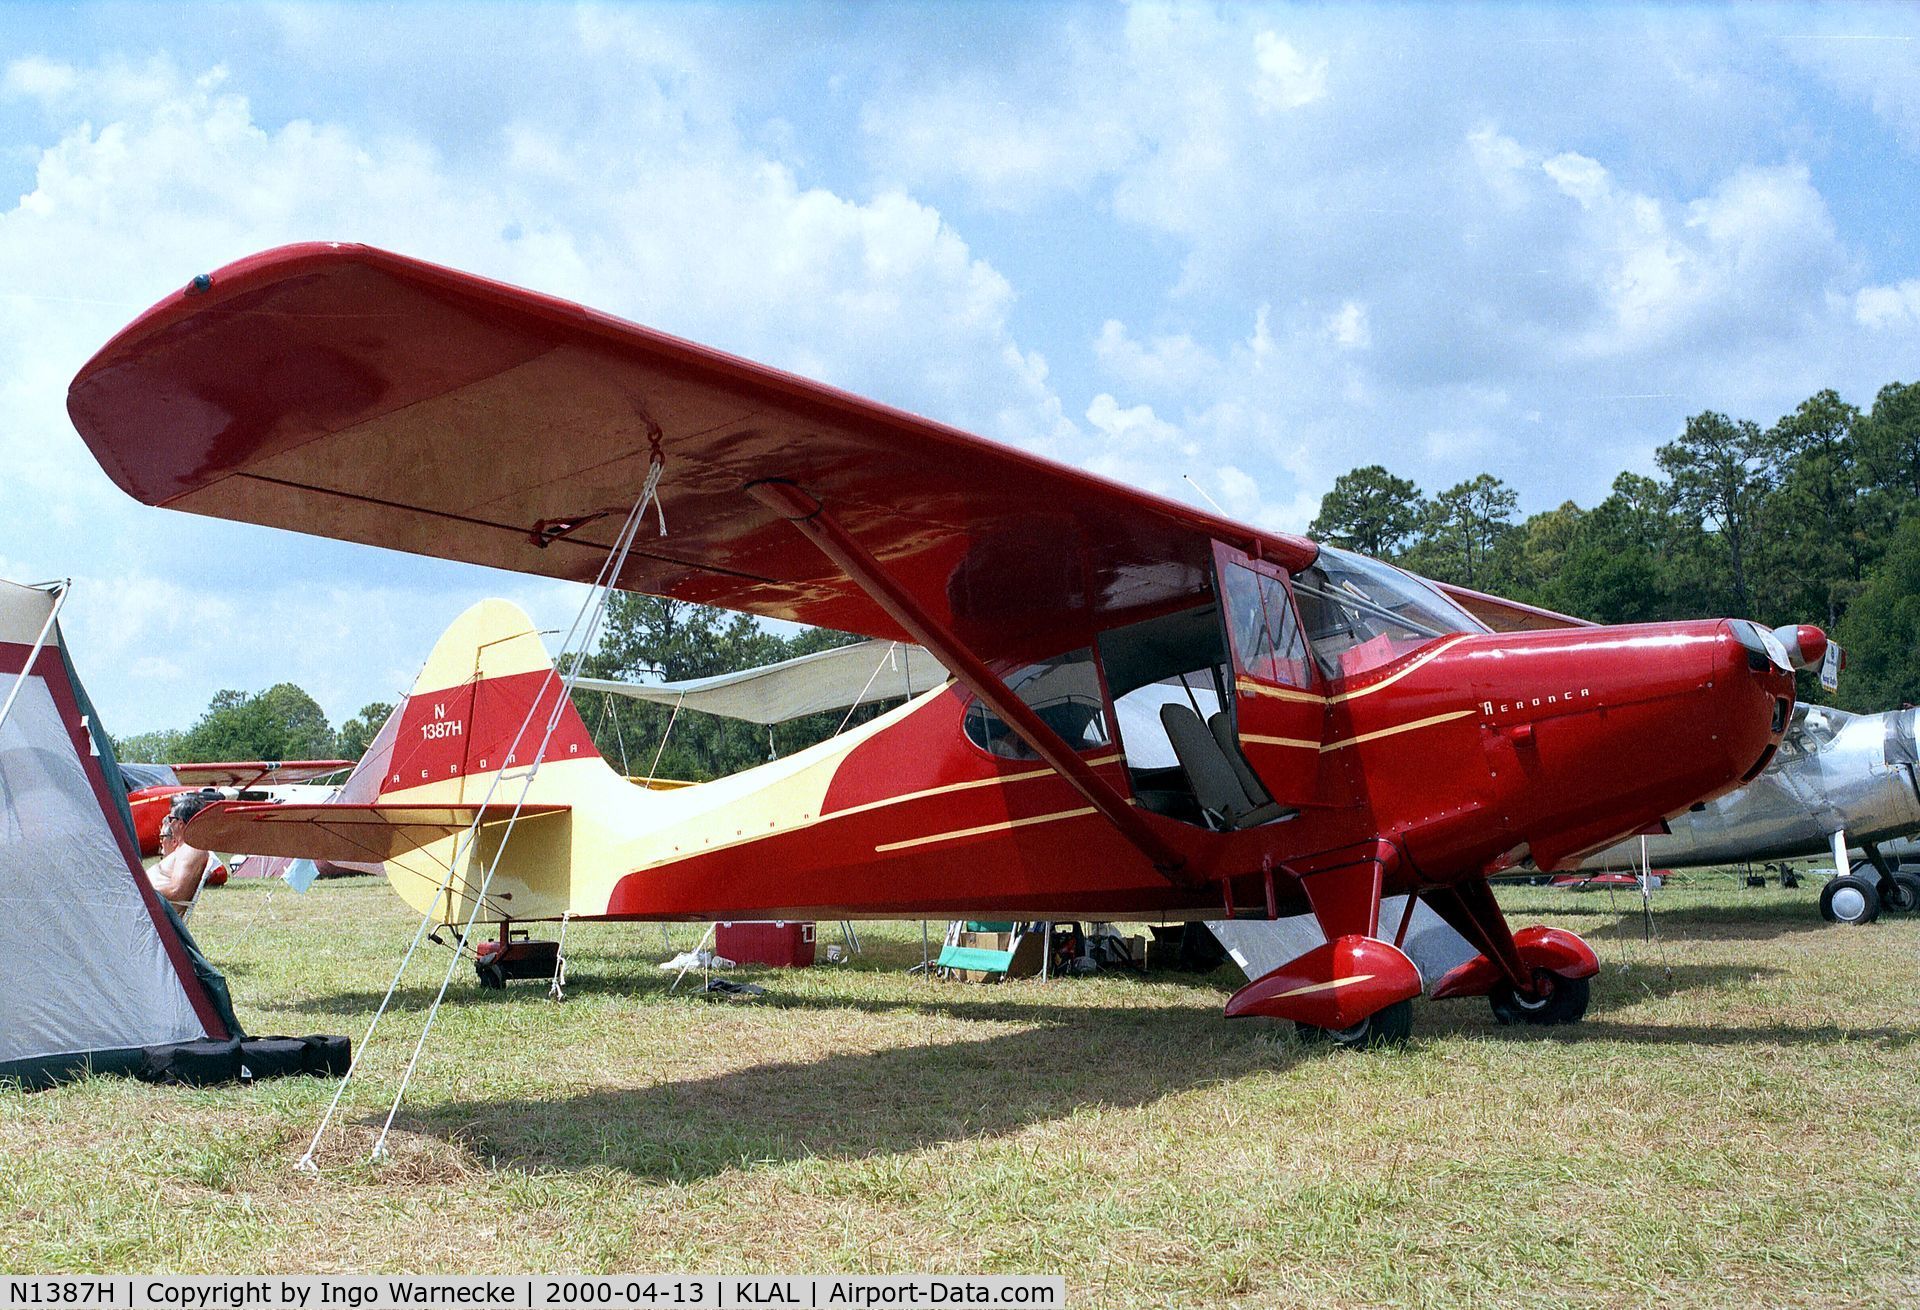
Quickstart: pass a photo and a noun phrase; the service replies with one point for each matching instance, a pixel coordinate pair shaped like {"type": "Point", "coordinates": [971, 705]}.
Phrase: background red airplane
{"type": "Point", "coordinates": [234, 780]}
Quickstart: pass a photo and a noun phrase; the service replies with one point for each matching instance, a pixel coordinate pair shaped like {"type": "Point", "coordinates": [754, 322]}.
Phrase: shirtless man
{"type": "Point", "coordinates": [177, 876]}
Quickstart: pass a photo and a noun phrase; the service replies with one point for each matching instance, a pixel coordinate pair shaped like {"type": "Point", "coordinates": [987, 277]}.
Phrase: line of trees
{"type": "Point", "coordinates": [1815, 519]}
{"type": "Point", "coordinates": [280, 723]}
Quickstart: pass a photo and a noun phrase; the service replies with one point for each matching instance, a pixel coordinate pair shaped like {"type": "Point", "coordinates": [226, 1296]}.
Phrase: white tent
{"type": "Point", "coordinates": [836, 679]}
{"type": "Point", "coordinates": [93, 968]}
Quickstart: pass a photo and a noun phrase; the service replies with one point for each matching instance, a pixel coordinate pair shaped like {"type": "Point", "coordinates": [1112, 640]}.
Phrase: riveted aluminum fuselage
{"type": "Point", "coordinates": [1834, 772]}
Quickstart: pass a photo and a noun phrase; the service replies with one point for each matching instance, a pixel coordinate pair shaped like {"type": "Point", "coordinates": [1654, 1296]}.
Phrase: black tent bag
{"type": "Point", "coordinates": [200, 1063]}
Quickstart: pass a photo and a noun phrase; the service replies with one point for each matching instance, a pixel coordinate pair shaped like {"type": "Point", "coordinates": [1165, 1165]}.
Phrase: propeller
{"type": "Point", "coordinates": [1808, 648]}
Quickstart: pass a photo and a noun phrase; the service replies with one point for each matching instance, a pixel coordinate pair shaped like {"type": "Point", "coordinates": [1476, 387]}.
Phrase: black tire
{"type": "Point", "coordinates": [1788, 878]}
{"type": "Point", "coordinates": [1849, 900]}
{"type": "Point", "coordinates": [1901, 895]}
{"type": "Point", "coordinates": [1556, 1000]}
{"type": "Point", "coordinates": [1389, 1027]}
{"type": "Point", "coordinates": [492, 977]}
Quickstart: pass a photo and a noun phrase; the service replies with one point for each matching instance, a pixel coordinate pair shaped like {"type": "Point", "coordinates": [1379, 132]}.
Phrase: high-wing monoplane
{"type": "Point", "coordinates": [1337, 729]}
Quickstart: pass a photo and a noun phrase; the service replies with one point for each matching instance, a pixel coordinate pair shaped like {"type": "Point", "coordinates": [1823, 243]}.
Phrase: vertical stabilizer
{"type": "Point", "coordinates": [470, 732]}
{"type": "Point", "coordinates": [482, 707]}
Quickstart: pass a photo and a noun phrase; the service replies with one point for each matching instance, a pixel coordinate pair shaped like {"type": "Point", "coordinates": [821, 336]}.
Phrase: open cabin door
{"type": "Point", "coordinates": [1279, 715]}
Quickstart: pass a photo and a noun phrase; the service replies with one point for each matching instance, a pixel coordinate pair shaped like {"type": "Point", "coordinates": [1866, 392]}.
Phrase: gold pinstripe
{"type": "Point", "coordinates": [1261, 740]}
{"type": "Point", "coordinates": [1396, 730]}
{"type": "Point", "coordinates": [1345, 742]}
{"type": "Point", "coordinates": [1327, 986]}
{"type": "Point", "coordinates": [1252, 688]}
{"type": "Point", "coordinates": [1006, 826]}
{"type": "Point", "coordinates": [950, 787]}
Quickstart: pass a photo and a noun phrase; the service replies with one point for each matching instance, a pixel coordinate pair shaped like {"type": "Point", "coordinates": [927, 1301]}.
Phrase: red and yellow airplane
{"type": "Point", "coordinates": [1320, 728]}
{"type": "Point", "coordinates": [240, 780]}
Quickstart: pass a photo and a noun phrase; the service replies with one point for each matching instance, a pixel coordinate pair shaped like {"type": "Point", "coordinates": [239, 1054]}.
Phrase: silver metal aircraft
{"type": "Point", "coordinates": [1840, 782]}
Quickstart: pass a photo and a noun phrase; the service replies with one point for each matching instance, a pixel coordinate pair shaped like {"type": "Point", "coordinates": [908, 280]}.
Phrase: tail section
{"type": "Point", "coordinates": [487, 706]}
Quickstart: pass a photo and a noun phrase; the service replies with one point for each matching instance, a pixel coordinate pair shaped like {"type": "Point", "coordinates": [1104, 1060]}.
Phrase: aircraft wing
{"type": "Point", "coordinates": [351, 393]}
{"type": "Point", "coordinates": [246, 773]}
{"type": "Point", "coordinates": [341, 833]}
{"type": "Point", "coordinates": [1503, 615]}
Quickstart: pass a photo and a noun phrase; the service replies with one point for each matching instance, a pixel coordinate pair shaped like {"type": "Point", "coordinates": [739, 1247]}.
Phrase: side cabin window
{"type": "Point", "coordinates": [1266, 636]}
{"type": "Point", "coordinates": [1064, 691]}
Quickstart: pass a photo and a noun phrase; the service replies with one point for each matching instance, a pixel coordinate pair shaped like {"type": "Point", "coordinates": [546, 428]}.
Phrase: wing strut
{"type": "Point", "coordinates": [824, 531]}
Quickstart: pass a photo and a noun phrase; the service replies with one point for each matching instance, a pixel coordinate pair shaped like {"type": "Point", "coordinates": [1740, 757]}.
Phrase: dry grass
{"type": "Point", "coordinates": [1735, 1131]}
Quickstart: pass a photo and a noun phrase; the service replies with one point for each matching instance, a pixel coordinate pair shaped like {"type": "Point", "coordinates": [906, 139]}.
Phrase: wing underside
{"type": "Point", "coordinates": [355, 394]}
{"type": "Point", "coordinates": [247, 773]}
{"type": "Point", "coordinates": [1503, 615]}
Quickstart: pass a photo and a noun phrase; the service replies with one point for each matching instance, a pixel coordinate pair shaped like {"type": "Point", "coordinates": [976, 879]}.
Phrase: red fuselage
{"type": "Point", "coordinates": [1468, 755]}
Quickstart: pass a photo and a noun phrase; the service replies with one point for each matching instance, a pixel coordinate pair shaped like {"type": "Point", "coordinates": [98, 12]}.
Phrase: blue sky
{"type": "Point", "coordinates": [1255, 245]}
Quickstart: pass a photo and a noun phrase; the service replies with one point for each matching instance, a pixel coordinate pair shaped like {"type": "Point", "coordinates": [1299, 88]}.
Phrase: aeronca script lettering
{"type": "Point", "coordinates": [1490, 708]}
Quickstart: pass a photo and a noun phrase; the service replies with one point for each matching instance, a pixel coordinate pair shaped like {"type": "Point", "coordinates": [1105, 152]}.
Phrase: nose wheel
{"type": "Point", "coordinates": [1555, 1000]}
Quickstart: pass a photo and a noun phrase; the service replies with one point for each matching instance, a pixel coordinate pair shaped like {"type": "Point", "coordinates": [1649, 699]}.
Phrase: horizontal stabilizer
{"type": "Point", "coordinates": [835, 679]}
{"type": "Point", "coordinates": [342, 832]}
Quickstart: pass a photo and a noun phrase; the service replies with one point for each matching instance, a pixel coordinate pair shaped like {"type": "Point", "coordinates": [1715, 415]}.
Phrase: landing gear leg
{"type": "Point", "coordinates": [1355, 990]}
{"type": "Point", "coordinates": [1899, 890]}
{"type": "Point", "coordinates": [1538, 975]}
{"type": "Point", "coordinates": [1471, 911]}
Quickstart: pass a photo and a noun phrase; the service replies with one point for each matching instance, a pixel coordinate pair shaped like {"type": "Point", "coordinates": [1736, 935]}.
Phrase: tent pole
{"type": "Point", "coordinates": [59, 598]}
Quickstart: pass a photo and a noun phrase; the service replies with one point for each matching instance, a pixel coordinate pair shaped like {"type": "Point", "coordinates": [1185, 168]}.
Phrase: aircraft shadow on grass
{"type": "Point", "coordinates": [1071, 1060]}
{"type": "Point", "coordinates": [863, 1104]}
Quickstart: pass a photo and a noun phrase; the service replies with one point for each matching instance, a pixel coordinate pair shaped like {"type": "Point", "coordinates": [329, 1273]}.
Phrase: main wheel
{"type": "Point", "coordinates": [1900, 894]}
{"type": "Point", "coordinates": [492, 976]}
{"type": "Point", "coordinates": [1555, 1000]}
{"type": "Point", "coordinates": [1849, 900]}
{"type": "Point", "coordinates": [1388, 1027]}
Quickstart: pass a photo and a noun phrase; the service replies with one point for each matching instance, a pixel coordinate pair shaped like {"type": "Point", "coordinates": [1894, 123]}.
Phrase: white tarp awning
{"type": "Point", "coordinates": [836, 679]}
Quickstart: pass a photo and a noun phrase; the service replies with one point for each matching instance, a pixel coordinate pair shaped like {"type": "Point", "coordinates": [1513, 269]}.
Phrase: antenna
{"type": "Point", "coordinates": [1203, 492]}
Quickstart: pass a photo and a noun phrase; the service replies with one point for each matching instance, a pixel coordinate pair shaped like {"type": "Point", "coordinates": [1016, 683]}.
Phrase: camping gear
{"type": "Point", "coordinates": [977, 956]}
{"type": "Point", "coordinates": [97, 973]}
{"type": "Point", "coordinates": [496, 963]}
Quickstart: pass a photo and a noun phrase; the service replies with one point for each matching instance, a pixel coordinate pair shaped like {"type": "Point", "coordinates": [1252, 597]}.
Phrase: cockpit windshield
{"type": "Point", "coordinates": [1360, 613]}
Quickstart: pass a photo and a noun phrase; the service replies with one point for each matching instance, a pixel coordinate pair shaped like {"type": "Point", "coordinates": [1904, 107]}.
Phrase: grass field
{"type": "Point", "coordinates": [1735, 1131]}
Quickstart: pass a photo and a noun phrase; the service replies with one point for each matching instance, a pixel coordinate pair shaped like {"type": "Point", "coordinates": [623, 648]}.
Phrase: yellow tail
{"type": "Point", "coordinates": [489, 705]}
